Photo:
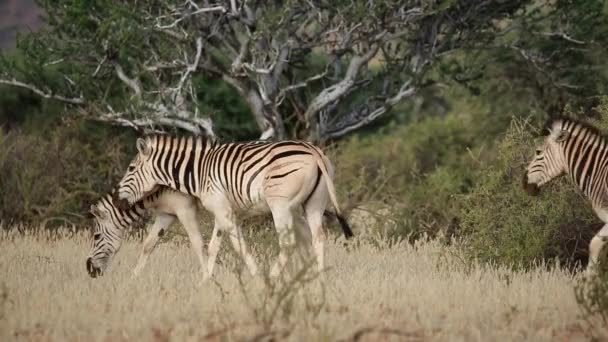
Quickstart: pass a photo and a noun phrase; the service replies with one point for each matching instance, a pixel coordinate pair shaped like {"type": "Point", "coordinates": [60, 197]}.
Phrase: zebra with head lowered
{"type": "Point", "coordinates": [239, 178]}
{"type": "Point", "coordinates": [576, 149]}
{"type": "Point", "coordinates": [111, 222]}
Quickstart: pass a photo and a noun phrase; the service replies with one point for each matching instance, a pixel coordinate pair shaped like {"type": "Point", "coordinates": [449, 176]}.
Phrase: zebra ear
{"type": "Point", "coordinates": [142, 146]}
{"type": "Point", "coordinates": [90, 215]}
{"type": "Point", "coordinates": [93, 211]}
{"type": "Point", "coordinates": [562, 136]}
{"type": "Point", "coordinates": [96, 212]}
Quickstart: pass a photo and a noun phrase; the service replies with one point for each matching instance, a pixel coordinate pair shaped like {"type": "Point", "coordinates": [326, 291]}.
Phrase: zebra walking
{"type": "Point", "coordinates": [111, 222]}
{"type": "Point", "coordinates": [580, 151]}
{"type": "Point", "coordinates": [239, 178]}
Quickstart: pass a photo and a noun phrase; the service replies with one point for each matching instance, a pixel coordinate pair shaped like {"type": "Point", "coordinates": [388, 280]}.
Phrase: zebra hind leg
{"type": "Point", "coordinates": [314, 216]}
{"type": "Point", "coordinates": [314, 209]}
{"type": "Point", "coordinates": [161, 222]}
{"type": "Point", "coordinates": [236, 237]}
{"type": "Point", "coordinates": [283, 222]}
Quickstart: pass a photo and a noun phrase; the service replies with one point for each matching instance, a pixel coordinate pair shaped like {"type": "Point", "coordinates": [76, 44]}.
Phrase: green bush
{"type": "Point", "coordinates": [505, 225]}
{"type": "Point", "coordinates": [416, 170]}
{"type": "Point", "coordinates": [53, 178]}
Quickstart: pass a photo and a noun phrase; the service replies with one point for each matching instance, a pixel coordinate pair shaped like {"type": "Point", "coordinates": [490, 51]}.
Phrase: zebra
{"type": "Point", "coordinates": [574, 148]}
{"type": "Point", "coordinates": [235, 179]}
{"type": "Point", "coordinates": [110, 223]}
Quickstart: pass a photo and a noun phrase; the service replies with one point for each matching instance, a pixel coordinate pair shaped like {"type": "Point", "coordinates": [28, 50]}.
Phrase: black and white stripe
{"type": "Point", "coordinates": [579, 150]}
{"type": "Point", "coordinates": [111, 222]}
{"type": "Point", "coordinates": [249, 177]}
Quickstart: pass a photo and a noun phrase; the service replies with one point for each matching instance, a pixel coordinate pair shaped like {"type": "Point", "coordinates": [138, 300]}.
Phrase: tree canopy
{"type": "Point", "coordinates": [310, 69]}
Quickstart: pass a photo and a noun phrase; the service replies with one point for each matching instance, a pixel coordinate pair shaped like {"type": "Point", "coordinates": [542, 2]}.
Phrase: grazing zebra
{"type": "Point", "coordinates": [239, 178]}
{"type": "Point", "coordinates": [574, 148]}
{"type": "Point", "coordinates": [111, 222]}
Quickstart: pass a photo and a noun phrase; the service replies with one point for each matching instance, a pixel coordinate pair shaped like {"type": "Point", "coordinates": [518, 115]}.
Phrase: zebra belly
{"type": "Point", "coordinates": [217, 202]}
{"type": "Point", "coordinates": [255, 209]}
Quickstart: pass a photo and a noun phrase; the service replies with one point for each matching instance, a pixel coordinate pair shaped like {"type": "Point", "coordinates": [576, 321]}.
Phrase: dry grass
{"type": "Point", "coordinates": [374, 291]}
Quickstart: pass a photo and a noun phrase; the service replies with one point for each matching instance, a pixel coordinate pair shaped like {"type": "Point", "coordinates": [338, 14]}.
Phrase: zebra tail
{"type": "Point", "coordinates": [348, 233]}
{"type": "Point", "coordinates": [330, 184]}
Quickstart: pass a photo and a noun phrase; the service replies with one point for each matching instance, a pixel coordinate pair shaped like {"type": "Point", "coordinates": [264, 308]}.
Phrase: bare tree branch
{"type": "Point", "coordinates": [334, 92]}
{"type": "Point", "coordinates": [197, 126]}
{"type": "Point", "coordinates": [188, 15]}
{"type": "Point", "coordinates": [130, 82]}
{"type": "Point", "coordinates": [317, 54]}
{"type": "Point", "coordinates": [564, 37]}
{"type": "Point", "coordinates": [47, 95]}
{"type": "Point", "coordinates": [365, 114]}
{"type": "Point", "coordinates": [301, 84]}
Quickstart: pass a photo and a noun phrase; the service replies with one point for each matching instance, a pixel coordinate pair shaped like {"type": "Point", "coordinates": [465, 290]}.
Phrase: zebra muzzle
{"type": "Point", "coordinates": [531, 188]}
{"type": "Point", "coordinates": [93, 271]}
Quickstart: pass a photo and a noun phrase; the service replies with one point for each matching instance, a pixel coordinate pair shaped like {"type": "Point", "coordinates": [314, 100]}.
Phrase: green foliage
{"type": "Point", "coordinates": [415, 169]}
{"type": "Point", "coordinates": [56, 177]}
{"type": "Point", "coordinates": [550, 53]}
{"type": "Point", "coordinates": [505, 225]}
{"type": "Point", "coordinates": [230, 114]}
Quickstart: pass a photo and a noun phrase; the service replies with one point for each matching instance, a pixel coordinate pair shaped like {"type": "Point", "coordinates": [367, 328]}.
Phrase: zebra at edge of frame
{"type": "Point", "coordinates": [111, 222]}
{"type": "Point", "coordinates": [232, 179]}
{"type": "Point", "coordinates": [576, 149]}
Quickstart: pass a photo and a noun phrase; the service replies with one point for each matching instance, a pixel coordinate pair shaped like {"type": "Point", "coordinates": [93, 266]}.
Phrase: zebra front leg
{"type": "Point", "coordinates": [283, 222]}
{"type": "Point", "coordinates": [595, 247]}
{"type": "Point", "coordinates": [161, 222]}
{"type": "Point", "coordinates": [226, 221]}
{"type": "Point", "coordinates": [188, 219]}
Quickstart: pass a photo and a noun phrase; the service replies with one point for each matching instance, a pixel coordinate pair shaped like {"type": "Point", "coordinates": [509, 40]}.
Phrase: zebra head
{"type": "Point", "coordinates": [107, 238]}
{"type": "Point", "coordinates": [549, 160]}
{"type": "Point", "coordinates": [139, 179]}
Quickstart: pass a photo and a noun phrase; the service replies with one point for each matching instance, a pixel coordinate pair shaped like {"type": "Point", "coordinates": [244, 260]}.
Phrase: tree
{"type": "Point", "coordinates": [552, 52]}
{"type": "Point", "coordinates": [317, 69]}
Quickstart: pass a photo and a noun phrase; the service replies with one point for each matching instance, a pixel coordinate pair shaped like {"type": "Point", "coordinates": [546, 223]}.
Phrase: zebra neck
{"type": "Point", "coordinates": [123, 218]}
{"type": "Point", "coordinates": [587, 163]}
{"type": "Point", "coordinates": [185, 165]}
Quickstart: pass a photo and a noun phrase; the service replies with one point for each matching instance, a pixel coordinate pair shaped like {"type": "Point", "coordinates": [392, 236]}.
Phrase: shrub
{"type": "Point", "coordinates": [505, 225]}
{"type": "Point", "coordinates": [414, 170]}
{"type": "Point", "coordinates": [54, 178]}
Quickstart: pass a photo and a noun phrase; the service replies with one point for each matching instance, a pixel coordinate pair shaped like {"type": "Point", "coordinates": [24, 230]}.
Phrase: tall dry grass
{"type": "Point", "coordinates": [371, 291]}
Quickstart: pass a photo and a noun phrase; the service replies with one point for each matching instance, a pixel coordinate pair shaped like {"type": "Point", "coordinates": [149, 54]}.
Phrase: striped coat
{"type": "Point", "coordinates": [239, 178]}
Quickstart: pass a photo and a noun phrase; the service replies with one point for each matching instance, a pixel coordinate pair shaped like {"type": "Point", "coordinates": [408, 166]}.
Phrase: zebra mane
{"type": "Point", "coordinates": [106, 202]}
{"type": "Point", "coordinates": [204, 139]}
{"type": "Point", "coordinates": [572, 123]}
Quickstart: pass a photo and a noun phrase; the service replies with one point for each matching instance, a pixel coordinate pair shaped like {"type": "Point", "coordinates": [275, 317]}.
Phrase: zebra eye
{"type": "Point", "coordinates": [539, 152]}
{"type": "Point", "coordinates": [131, 168]}
{"type": "Point", "coordinates": [96, 236]}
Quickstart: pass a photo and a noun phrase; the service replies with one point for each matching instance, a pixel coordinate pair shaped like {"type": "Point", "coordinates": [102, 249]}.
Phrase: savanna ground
{"type": "Point", "coordinates": [373, 290]}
